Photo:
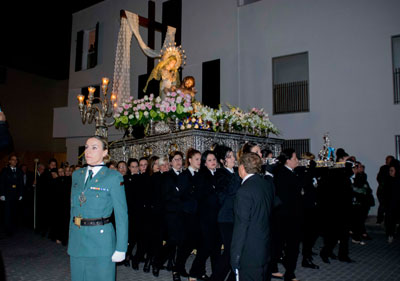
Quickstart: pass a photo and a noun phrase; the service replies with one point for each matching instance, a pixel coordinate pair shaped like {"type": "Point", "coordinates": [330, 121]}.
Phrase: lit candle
{"type": "Point", "coordinates": [105, 80]}
{"type": "Point", "coordinates": [113, 97]}
{"type": "Point", "coordinates": [91, 92]}
{"type": "Point", "coordinates": [80, 98]}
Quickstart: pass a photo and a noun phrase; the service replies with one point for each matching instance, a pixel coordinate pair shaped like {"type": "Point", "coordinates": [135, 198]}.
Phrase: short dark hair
{"type": "Point", "coordinates": [251, 162]}
{"type": "Point", "coordinates": [221, 151]}
{"type": "Point", "coordinates": [173, 154]}
{"type": "Point", "coordinates": [130, 160]}
{"type": "Point", "coordinates": [53, 160]}
{"type": "Point", "coordinates": [266, 152]}
{"type": "Point", "coordinates": [143, 158]}
{"type": "Point", "coordinates": [205, 155]}
{"type": "Point", "coordinates": [285, 155]}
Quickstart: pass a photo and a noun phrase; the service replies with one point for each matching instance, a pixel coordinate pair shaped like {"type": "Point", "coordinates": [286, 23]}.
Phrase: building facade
{"type": "Point", "coordinates": [341, 54]}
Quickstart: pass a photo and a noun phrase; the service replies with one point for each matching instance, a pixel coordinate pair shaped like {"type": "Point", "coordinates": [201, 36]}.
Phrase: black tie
{"type": "Point", "coordinates": [90, 176]}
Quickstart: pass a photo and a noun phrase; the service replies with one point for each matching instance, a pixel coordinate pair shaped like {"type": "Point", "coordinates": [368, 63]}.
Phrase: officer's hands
{"type": "Point", "coordinates": [118, 256]}
{"type": "Point", "coordinates": [20, 198]}
{"type": "Point", "coordinates": [2, 198]}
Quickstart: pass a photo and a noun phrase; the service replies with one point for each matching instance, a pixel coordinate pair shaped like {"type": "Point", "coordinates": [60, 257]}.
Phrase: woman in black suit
{"type": "Point", "coordinates": [227, 184]}
{"type": "Point", "coordinates": [171, 193]}
{"type": "Point", "coordinates": [208, 208]}
{"type": "Point", "coordinates": [190, 180]}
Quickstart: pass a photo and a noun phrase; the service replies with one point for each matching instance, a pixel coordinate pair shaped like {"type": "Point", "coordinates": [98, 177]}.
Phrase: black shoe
{"type": "Point", "coordinates": [176, 276]}
{"type": "Point", "coordinates": [146, 267]}
{"type": "Point", "coordinates": [324, 258]}
{"type": "Point", "coordinates": [156, 271]}
{"type": "Point", "coordinates": [345, 259]}
{"type": "Point", "coordinates": [135, 265]}
{"type": "Point", "coordinates": [307, 262]}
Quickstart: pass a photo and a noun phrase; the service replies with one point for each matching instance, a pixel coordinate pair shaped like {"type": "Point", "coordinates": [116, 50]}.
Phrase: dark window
{"type": "Point", "coordinates": [211, 83]}
{"type": "Point", "coordinates": [290, 84]}
{"type": "Point", "coordinates": [397, 140]}
{"type": "Point", "coordinates": [87, 45]}
{"type": "Point", "coordinates": [396, 67]}
{"type": "Point", "coordinates": [85, 92]}
{"type": "Point", "coordinates": [299, 145]}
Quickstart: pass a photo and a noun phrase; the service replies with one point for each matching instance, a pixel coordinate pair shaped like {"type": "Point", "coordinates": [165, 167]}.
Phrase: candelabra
{"type": "Point", "coordinates": [103, 110]}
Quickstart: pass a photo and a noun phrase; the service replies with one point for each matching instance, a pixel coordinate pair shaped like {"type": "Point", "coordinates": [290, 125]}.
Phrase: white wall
{"type": "Point", "coordinates": [350, 63]}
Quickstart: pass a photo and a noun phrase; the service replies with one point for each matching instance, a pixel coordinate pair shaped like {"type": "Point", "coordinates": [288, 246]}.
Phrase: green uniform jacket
{"type": "Point", "coordinates": [105, 193]}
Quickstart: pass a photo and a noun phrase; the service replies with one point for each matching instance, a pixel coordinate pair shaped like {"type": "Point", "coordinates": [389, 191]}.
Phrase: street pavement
{"type": "Point", "coordinates": [28, 256]}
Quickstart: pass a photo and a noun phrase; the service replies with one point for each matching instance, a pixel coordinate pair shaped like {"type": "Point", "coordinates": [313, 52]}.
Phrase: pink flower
{"type": "Point", "coordinates": [130, 98]}
{"type": "Point", "coordinates": [135, 109]}
{"type": "Point", "coordinates": [173, 94]}
{"type": "Point", "coordinates": [168, 109]}
{"type": "Point", "coordinates": [135, 101]}
{"type": "Point", "coordinates": [120, 109]}
{"type": "Point", "coordinates": [126, 106]}
{"type": "Point", "coordinates": [178, 99]}
{"type": "Point", "coordinates": [173, 108]}
{"type": "Point", "coordinates": [187, 104]}
{"type": "Point", "coordinates": [149, 106]}
{"type": "Point", "coordinates": [157, 105]}
{"type": "Point", "coordinates": [126, 113]}
{"type": "Point", "coordinates": [142, 107]}
{"type": "Point", "coordinates": [182, 95]}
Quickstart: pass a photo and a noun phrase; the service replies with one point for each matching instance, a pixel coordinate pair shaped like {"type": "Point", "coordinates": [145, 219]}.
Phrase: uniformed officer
{"type": "Point", "coordinates": [11, 188]}
{"type": "Point", "coordinates": [96, 191]}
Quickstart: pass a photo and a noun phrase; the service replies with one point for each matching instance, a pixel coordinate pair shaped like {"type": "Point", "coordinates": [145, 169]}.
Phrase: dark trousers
{"type": "Point", "coordinates": [339, 230]}
{"type": "Point", "coordinates": [357, 222]}
{"type": "Point", "coordinates": [223, 267]}
{"type": "Point", "coordinates": [310, 231]}
{"type": "Point", "coordinates": [255, 273]}
{"type": "Point", "coordinates": [10, 216]}
{"type": "Point", "coordinates": [189, 242]}
{"type": "Point", "coordinates": [132, 234]}
{"type": "Point", "coordinates": [210, 246]}
{"type": "Point", "coordinates": [286, 237]}
{"type": "Point", "coordinates": [144, 225]}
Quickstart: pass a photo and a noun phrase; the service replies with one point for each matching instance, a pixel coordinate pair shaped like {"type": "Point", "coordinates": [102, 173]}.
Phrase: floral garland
{"type": "Point", "coordinates": [177, 105]}
{"type": "Point", "coordinates": [141, 111]}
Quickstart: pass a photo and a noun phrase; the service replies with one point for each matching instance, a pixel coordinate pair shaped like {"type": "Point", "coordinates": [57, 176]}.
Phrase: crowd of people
{"type": "Point", "coordinates": [211, 204]}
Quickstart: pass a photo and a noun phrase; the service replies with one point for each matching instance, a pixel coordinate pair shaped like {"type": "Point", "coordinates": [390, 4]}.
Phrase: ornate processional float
{"type": "Point", "coordinates": [173, 120]}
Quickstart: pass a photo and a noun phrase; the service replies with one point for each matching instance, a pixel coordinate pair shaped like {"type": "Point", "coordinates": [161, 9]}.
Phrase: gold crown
{"type": "Point", "coordinates": [176, 51]}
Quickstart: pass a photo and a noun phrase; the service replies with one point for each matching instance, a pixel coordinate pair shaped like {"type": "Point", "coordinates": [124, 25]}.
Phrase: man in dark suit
{"type": "Point", "coordinates": [250, 249]}
{"type": "Point", "coordinates": [11, 188]}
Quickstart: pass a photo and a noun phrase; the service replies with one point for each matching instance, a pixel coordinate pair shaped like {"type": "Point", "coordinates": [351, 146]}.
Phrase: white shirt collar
{"type": "Point", "coordinates": [246, 177]}
{"type": "Point", "coordinates": [212, 171]}
{"type": "Point", "coordinates": [269, 174]}
{"type": "Point", "coordinates": [192, 170]}
{"type": "Point", "coordinates": [94, 169]}
{"type": "Point", "coordinates": [176, 171]}
{"type": "Point", "coordinates": [230, 170]}
{"type": "Point", "coordinates": [289, 168]}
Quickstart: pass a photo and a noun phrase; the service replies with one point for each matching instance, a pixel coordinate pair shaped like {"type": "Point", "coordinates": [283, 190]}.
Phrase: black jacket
{"type": "Point", "coordinates": [251, 240]}
{"type": "Point", "coordinates": [172, 190]}
{"type": "Point", "coordinates": [288, 189]}
{"type": "Point", "coordinates": [11, 184]}
{"type": "Point", "coordinates": [227, 184]}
